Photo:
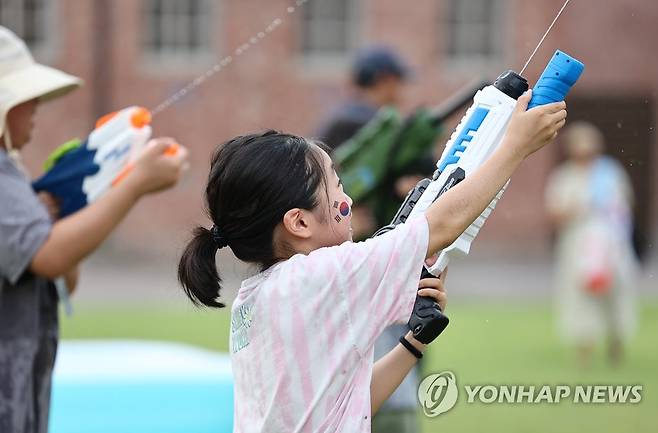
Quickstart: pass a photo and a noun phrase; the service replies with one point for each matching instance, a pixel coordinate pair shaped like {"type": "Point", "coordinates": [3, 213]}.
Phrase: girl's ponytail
{"type": "Point", "coordinates": [197, 271]}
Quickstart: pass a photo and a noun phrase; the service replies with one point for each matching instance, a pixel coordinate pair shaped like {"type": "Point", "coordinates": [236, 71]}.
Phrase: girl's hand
{"type": "Point", "coordinates": [435, 288]}
{"type": "Point", "coordinates": [530, 130]}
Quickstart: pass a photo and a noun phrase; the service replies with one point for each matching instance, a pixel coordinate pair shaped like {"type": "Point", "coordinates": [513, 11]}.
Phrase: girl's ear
{"type": "Point", "coordinates": [297, 223]}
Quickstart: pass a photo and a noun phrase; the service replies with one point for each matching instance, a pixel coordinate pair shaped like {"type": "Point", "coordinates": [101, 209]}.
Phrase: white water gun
{"type": "Point", "coordinates": [477, 136]}
{"type": "Point", "coordinates": [481, 131]}
{"type": "Point", "coordinates": [79, 173]}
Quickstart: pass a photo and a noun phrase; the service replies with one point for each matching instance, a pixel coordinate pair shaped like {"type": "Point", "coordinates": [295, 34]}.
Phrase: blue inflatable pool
{"type": "Point", "coordinates": [140, 387]}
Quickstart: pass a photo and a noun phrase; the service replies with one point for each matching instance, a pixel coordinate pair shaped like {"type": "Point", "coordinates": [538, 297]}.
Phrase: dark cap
{"type": "Point", "coordinates": [374, 62]}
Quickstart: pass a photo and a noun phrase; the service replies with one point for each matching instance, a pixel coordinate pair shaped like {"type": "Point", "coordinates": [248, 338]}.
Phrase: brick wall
{"type": "Point", "coordinates": [269, 86]}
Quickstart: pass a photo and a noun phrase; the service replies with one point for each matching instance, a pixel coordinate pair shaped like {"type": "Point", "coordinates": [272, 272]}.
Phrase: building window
{"type": "Point", "coordinates": [475, 29]}
{"type": "Point", "coordinates": [177, 30]}
{"type": "Point", "coordinates": [328, 28]}
{"type": "Point", "coordinates": [29, 19]}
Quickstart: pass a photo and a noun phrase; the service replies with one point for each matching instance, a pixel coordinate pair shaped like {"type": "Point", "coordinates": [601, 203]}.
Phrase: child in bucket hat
{"type": "Point", "coordinates": [36, 247]}
{"type": "Point", "coordinates": [23, 80]}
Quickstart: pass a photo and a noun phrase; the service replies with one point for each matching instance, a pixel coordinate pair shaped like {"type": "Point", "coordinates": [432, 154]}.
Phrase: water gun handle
{"type": "Point", "coordinates": [558, 77]}
{"type": "Point", "coordinates": [427, 321]}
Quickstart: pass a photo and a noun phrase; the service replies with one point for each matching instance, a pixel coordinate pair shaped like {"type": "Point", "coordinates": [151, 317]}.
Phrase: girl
{"type": "Point", "coordinates": [303, 329]}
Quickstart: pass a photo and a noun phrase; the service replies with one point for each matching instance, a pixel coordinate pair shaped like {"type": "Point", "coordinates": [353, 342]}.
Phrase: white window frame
{"type": "Point", "coordinates": [499, 34]}
{"type": "Point", "coordinates": [176, 58]}
{"type": "Point", "coordinates": [327, 61]}
{"type": "Point", "coordinates": [12, 13]}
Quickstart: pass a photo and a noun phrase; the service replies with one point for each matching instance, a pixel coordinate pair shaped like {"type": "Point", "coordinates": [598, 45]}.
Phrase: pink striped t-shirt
{"type": "Point", "coordinates": [303, 331]}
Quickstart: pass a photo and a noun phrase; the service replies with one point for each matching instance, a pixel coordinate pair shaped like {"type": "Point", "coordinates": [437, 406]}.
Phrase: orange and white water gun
{"type": "Point", "coordinates": [80, 172]}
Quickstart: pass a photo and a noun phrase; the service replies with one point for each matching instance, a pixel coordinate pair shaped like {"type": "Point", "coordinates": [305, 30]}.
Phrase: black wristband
{"type": "Point", "coordinates": [410, 347]}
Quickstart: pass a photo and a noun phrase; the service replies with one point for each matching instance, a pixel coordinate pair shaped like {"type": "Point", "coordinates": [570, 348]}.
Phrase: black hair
{"type": "Point", "coordinates": [254, 180]}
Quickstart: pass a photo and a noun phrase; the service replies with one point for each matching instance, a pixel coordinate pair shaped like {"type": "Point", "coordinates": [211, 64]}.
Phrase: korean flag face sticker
{"type": "Point", "coordinates": [344, 209]}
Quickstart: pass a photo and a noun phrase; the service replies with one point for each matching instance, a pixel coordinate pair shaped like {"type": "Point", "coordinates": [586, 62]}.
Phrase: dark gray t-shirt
{"type": "Point", "coordinates": [28, 303]}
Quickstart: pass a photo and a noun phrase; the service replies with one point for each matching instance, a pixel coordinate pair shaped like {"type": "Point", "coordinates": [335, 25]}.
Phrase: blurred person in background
{"type": "Point", "coordinates": [589, 200]}
{"type": "Point", "coordinates": [378, 78]}
{"type": "Point", "coordinates": [35, 247]}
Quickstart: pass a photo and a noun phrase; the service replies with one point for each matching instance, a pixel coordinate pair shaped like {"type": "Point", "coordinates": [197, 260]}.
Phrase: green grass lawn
{"type": "Point", "coordinates": [499, 344]}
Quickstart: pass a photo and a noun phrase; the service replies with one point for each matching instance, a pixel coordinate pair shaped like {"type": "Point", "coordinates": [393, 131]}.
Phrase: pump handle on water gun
{"type": "Point", "coordinates": [476, 137]}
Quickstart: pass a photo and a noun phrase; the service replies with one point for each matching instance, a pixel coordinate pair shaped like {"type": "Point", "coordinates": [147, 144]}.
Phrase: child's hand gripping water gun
{"type": "Point", "coordinates": [479, 133]}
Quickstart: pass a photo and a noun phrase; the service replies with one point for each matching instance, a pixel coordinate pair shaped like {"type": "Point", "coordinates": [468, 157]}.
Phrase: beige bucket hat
{"type": "Point", "coordinates": [22, 79]}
